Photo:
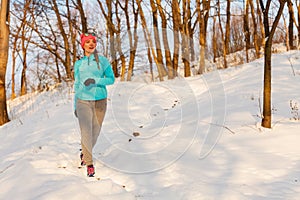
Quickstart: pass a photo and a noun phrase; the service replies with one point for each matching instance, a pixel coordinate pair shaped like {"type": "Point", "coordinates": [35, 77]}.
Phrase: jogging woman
{"type": "Point", "coordinates": [92, 74]}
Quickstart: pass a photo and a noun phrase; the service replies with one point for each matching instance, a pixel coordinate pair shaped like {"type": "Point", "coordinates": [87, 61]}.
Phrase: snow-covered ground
{"type": "Point", "coordinates": [194, 138]}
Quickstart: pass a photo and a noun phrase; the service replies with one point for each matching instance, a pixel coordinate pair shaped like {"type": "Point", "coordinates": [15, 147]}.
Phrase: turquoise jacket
{"type": "Point", "coordinates": [86, 68]}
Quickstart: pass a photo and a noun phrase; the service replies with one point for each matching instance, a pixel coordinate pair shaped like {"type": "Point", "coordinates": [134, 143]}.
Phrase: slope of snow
{"type": "Point", "coordinates": [193, 138]}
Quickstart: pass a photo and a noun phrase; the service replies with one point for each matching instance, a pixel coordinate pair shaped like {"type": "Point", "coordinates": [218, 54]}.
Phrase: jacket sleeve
{"type": "Point", "coordinates": [76, 84]}
{"type": "Point", "coordinates": [109, 77]}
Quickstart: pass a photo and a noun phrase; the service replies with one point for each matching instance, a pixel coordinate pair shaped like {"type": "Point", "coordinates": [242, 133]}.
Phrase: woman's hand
{"type": "Point", "coordinates": [89, 81]}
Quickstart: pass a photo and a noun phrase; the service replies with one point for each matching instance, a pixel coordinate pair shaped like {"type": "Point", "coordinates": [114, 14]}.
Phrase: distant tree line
{"type": "Point", "coordinates": [45, 35]}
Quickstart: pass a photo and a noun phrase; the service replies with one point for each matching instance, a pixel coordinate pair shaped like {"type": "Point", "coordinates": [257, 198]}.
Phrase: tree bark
{"type": "Point", "coordinates": [222, 34]}
{"type": "Point", "coordinates": [291, 25]}
{"type": "Point", "coordinates": [185, 39]}
{"type": "Point", "coordinates": [227, 32]}
{"type": "Point", "coordinates": [255, 35]}
{"type": "Point", "coordinates": [111, 31]}
{"type": "Point", "coordinates": [118, 41]}
{"type": "Point", "coordinates": [147, 36]}
{"type": "Point", "coordinates": [4, 42]}
{"type": "Point", "coordinates": [267, 110]}
{"type": "Point", "coordinates": [160, 67]}
{"type": "Point", "coordinates": [261, 25]}
{"type": "Point", "coordinates": [67, 60]}
{"type": "Point", "coordinates": [133, 38]}
{"type": "Point", "coordinates": [214, 40]}
{"type": "Point", "coordinates": [247, 29]}
{"type": "Point", "coordinates": [82, 17]}
{"type": "Point", "coordinates": [165, 40]}
{"type": "Point", "coordinates": [203, 15]}
{"type": "Point", "coordinates": [24, 63]}
{"type": "Point", "coordinates": [176, 31]}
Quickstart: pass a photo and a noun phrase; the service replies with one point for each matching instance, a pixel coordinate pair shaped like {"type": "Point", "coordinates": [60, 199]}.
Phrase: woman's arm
{"type": "Point", "coordinates": [109, 77]}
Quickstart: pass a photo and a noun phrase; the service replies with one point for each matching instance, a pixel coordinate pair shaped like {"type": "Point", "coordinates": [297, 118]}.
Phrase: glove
{"type": "Point", "coordinates": [89, 81]}
{"type": "Point", "coordinates": [75, 113]}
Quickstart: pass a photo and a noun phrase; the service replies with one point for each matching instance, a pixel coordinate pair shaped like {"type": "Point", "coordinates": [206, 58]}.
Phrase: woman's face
{"type": "Point", "coordinates": [89, 46]}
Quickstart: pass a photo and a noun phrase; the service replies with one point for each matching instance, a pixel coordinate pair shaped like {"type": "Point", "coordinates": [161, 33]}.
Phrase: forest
{"type": "Point", "coordinates": [161, 38]}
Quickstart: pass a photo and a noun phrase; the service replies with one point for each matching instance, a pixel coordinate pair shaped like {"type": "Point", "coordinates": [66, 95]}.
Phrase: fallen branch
{"type": "Point", "coordinates": [219, 125]}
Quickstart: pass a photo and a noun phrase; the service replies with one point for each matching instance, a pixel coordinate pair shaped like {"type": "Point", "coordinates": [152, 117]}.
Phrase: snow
{"type": "Point", "coordinates": [195, 138]}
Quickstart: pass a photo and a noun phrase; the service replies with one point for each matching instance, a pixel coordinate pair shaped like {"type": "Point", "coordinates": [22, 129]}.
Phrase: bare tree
{"type": "Point", "coordinates": [203, 15]}
{"type": "Point", "coordinates": [21, 36]}
{"type": "Point", "coordinates": [147, 35]}
{"type": "Point", "coordinates": [66, 45]}
{"type": "Point", "coordinates": [132, 37]}
{"type": "Point", "coordinates": [247, 29]}
{"type": "Point", "coordinates": [165, 40]}
{"type": "Point", "coordinates": [24, 48]}
{"type": "Point", "coordinates": [292, 21]}
{"type": "Point", "coordinates": [160, 64]}
{"type": "Point", "coordinates": [176, 30]}
{"type": "Point", "coordinates": [111, 32]}
{"type": "Point", "coordinates": [185, 43]}
{"type": "Point", "coordinates": [4, 45]}
{"type": "Point", "coordinates": [79, 7]}
{"type": "Point", "coordinates": [16, 36]}
{"type": "Point", "coordinates": [267, 110]}
{"type": "Point", "coordinates": [117, 39]}
{"type": "Point", "coordinates": [214, 37]}
{"type": "Point", "coordinates": [227, 28]}
{"type": "Point", "coordinates": [261, 24]}
{"type": "Point", "coordinates": [287, 39]}
{"type": "Point", "coordinates": [222, 33]}
{"type": "Point", "coordinates": [255, 34]}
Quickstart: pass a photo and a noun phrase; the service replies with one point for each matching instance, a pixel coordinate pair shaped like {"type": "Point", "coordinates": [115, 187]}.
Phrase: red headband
{"type": "Point", "coordinates": [84, 38]}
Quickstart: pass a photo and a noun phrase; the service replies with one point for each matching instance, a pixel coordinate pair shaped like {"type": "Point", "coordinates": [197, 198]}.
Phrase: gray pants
{"type": "Point", "coordinates": [90, 116]}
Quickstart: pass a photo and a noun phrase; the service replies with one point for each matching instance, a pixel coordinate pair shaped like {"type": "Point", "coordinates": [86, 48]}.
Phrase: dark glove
{"type": "Point", "coordinates": [75, 113]}
{"type": "Point", "coordinates": [89, 81]}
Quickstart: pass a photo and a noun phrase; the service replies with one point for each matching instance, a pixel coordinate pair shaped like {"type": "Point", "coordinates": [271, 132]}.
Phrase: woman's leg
{"type": "Point", "coordinates": [99, 113]}
{"type": "Point", "coordinates": [85, 118]}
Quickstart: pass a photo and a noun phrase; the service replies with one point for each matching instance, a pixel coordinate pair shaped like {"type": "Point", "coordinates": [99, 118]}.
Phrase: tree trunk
{"type": "Point", "coordinates": [222, 34]}
{"type": "Point", "coordinates": [19, 33]}
{"type": "Point", "coordinates": [133, 38]}
{"type": "Point", "coordinates": [266, 121]}
{"type": "Point", "coordinates": [247, 29]}
{"type": "Point", "coordinates": [79, 6]}
{"type": "Point", "coordinates": [24, 62]}
{"type": "Point", "coordinates": [165, 40]}
{"type": "Point", "coordinates": [160, 67]}
{"type": "Point", "coordinates": [203, 15]}
{"type": "Point", "coordinates": [267, 110]}
{"type": "Point", "coordinates": [147, 36]}
{"type": "Point", "coordinates": [118, 44]}
{"type": "Point", "coordinates": [176, 31]}
{"type": "Point", "coordinates": [255, 35]}
{"type": "Point", "coordinates": [67, 60]}
{"type": "Point", "coordinates": [185, 40]}
{"type": "Point", "coordinates": [287, 42]}
{"type": "Point", "coordinates": [14, 53]}
{"type": "Point", "coordinates": [13, 69]}
{"type": "Point", "coordinates": [4, 42]}
{"type": "Point", "coordinates": [112, 30]}
{"type": "Point", "coordinates": [227, 32]}
{"type": "Point", "coordinates": [261, 25]}
{"type": "Point", "coordinates": [291, 25]}
{"type": "Point", "coordinates": [214, 40]}
{"type": "Point", "coordinates": [72, 24]}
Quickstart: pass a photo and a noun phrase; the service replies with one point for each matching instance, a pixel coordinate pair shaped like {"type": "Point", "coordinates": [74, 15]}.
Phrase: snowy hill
{"type": "Point", "coordinates": [195, 138]}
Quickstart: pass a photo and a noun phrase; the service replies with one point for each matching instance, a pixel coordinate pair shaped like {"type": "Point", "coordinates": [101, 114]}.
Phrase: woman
{"type": "Point", "coordinates": [91, 78]}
